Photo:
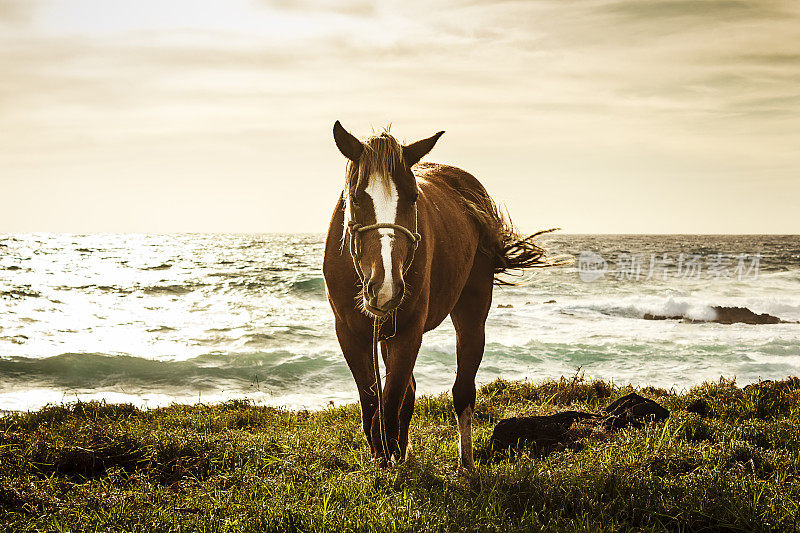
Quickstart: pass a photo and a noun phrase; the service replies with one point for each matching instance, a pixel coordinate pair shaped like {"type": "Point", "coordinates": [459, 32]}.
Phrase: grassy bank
{"type": "Point", "coordinates": [240, 467]}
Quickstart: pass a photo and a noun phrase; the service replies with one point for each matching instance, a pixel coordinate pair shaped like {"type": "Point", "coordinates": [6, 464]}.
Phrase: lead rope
{"type": "Point", "coordinates": [376, 326]}
{"type": "Point", "coordinates": [355, 252]}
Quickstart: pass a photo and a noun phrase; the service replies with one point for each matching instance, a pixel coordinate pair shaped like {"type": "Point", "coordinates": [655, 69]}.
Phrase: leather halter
{"type": "Point", "coordinates": [357, 229]}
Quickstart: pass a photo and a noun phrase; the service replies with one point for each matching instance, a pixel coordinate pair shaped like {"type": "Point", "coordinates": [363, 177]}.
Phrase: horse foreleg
{"type": "Point", "coordinates": [400, 355]}
{"type": "Point", "coordinates": [406, 412]}
{"type": "Point", "coordinates": [357, 351]}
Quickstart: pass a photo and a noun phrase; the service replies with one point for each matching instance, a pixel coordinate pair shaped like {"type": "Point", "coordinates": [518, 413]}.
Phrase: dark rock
{"type": "Point", "coordinates": [698, 406]}
{"type": "Point", "coordinates": [725, 315]}
{"type": "Point", "coordinates": [734, 315]}
{"type": "Point", "coordinates": [636, 406]}
{"type": "Point", "coordinates": [544, 432]}
{"type": "Point", "coordinates": [550, 302]}
{"type": "Point", "coordinates": [633, 409]}
{"type": "Point", "coordinates": [550, 432]}
{"type": "Point", "coordinates": [650, 316]}
{"type": "Point", "coordinates": [162, 266]}
{"type": "Point", "coordinates": [505, 306]}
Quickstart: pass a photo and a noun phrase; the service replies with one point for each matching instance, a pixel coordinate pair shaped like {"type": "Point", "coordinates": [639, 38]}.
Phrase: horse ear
{"type": "Point", "coordinates": [350, 147]}
{"type": "Point", "coordinates": [416, 151]}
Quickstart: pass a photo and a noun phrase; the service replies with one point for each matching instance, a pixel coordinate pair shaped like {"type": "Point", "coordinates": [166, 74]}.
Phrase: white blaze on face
{"type": "Point", "coordinates": [384, 197]}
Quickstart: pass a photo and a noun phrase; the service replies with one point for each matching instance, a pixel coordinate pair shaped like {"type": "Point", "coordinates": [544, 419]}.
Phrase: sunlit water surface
{"type": "Point", "coordinates": [155, 319]}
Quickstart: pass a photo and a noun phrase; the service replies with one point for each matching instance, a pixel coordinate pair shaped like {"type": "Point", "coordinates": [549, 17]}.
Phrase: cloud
{"type": "Point", "coordinates": [362, 8]}
{"type": "Point", "coordinates": [584, 91]}
{"type": "Point", "coordinates": [714, 10]}
{"type": "Point", "coordinates": [17, 11]}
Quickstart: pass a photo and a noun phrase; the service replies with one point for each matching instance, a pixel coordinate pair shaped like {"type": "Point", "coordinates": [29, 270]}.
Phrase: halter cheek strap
{"type": "Point", "coordinates": [357, 229]}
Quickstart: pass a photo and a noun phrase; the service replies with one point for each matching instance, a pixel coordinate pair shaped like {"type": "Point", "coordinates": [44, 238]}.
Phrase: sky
{"type": "Point", "coordinates": [596, 116]}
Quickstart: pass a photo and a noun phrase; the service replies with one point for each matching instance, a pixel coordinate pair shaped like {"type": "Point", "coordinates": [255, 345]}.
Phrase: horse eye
{"type": "Point", "coordinates": [415, 198]}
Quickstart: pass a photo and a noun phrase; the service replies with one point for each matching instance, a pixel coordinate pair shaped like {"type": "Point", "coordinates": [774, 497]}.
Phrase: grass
{"type": "Point", "coordinates": [241, 467]}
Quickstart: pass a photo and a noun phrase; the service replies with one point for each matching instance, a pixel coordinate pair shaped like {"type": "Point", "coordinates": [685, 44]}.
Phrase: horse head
{"type": "Point", "coordinates": [380, 197]}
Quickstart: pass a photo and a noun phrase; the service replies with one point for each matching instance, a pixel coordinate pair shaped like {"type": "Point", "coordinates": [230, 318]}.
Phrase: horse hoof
{"type": "Point", "coordinates": [466, 467]}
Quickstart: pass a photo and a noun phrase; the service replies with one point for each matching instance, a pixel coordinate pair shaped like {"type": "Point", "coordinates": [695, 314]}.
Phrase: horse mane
{"type": "Point", "coordinates": [381, 153]}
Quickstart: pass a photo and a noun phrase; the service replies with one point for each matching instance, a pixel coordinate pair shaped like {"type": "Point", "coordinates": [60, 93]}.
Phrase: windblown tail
{"type": "Point", "coordinates": [518, 253]}
{"type": "Point", "coordinates": [500, 240]}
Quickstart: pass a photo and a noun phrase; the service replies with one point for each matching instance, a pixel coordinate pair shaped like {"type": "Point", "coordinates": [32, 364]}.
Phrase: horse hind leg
{"type": "Point", "coordinates": [469, 351]}
{"type": "Point", "coordinates": [469, 319]}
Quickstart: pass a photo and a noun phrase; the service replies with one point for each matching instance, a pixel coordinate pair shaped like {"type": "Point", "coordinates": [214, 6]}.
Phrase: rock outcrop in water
{"type": "Point", "coordinates": [725, 315]}
{"type": "Point", "coordinates": [548, 433]}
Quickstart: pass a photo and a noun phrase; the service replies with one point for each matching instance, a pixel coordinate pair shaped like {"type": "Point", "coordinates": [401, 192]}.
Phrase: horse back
{"type": "Point", "coordinates": [457, 182]}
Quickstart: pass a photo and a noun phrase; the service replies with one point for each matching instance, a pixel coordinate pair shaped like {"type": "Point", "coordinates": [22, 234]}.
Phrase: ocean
{"type": "Point", "coordinates": [158, 319]}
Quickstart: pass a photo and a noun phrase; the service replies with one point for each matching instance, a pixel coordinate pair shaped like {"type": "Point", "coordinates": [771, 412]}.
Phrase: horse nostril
{"type": "Point", "coordinates": [371, 289]}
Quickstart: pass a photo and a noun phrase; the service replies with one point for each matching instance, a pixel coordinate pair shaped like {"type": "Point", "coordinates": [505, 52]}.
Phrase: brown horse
{"type": "Point", "coordinates": [424, 241]}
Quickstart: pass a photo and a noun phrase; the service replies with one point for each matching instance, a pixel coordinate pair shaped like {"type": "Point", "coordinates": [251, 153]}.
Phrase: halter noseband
{"type": "Point", "coordinates": [357, 229]}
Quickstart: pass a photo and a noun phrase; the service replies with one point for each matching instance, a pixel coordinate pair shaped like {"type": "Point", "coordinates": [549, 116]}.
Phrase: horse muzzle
{"type": "Point", "coordinates": [383, 298]}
